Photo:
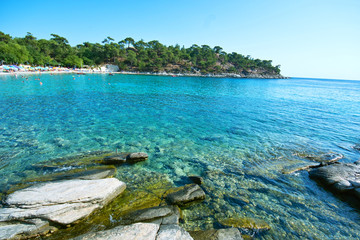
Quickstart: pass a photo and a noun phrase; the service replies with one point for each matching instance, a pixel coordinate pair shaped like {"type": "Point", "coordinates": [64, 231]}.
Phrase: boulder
{"type": "Point", "coordinates": [62, 202]}
{"type": "Point", "coordinates": [170, 214]}
{"type": "Point", "coordinates": [172, 232]}
{"type": "Point", "coordinates": [29, 229]}
{"type": "Point", "coordinates": [138, 231]}
{"type": "Point", "coordinates": [217, 234]}
{"type": "Point", "coordinates": [196, 179]}
{"type": "Point", "coordinates": [341, 177]}
{"type": "Point", "coordinates": [120, 158]}
{"type": "Point", "coordinates": [186, 194]}
{"type": "Point", "coordinates": [136, 157]}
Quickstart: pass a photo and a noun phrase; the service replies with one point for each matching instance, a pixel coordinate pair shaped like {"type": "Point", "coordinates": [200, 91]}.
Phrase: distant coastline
{"type": "Point", "coordinates": [87, 71]}
{"type": "Point", "coordinates": [130, 57]}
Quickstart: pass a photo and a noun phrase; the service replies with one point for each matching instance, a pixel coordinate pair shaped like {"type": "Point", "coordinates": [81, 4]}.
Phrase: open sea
{"type": "Point", "coordinates": [238, 134]}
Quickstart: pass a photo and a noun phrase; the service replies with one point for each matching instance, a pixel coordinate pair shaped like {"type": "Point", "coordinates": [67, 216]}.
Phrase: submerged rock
{"type": "Point", "coordinates": [356, 147]}
{"type": "Point", "coordinates": [341, 177]}
{"type": "Point", "coordinates": [136, 157]}
{"type": "Point", "coordinates": [120, 158]}
{"type": "Point", "coordinates": [61, 202]}
{"type": "Point", "coordinates": [245, 223]}
{"type": "Point", "coordinates": [72, 161]}
{"type": "Point", "coordinates": [299, 167]}
{"type": "Point", "coordinates": [326, 158]}
{"type": "Point", "coordinates": [217, 234]}
{"type": "Point", "coordinates": [185, 194]}
{"type": "Point", "coordinates": [196, 179]}
{"type": "Point", "coordinates": [167, 215]}
{"type": "Point", "coordinates": [116, 158]}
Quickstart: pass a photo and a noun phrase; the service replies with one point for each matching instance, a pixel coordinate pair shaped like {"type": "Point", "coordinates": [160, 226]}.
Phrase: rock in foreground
{"type": "Point", "coordinates": [166, 215]}
{"type": "Point", "coordinates": [217, 234]}
{"type": "Point", "coordinates": [140, 231]}
{"type": "Point", "coordinates": [186, 194]}
{"type": "Point", "coordinates": [120, 158]}
{"type": "Point", "coordinates": [61, 202]}
{"type": "Point", "coordinates": [341, 177]}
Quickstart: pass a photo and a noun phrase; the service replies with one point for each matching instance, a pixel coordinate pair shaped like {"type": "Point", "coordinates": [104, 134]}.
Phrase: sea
{"type": "Point", "coordinates": [239, 135]}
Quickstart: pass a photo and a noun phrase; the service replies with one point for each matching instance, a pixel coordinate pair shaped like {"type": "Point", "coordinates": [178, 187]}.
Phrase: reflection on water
{"type": "Point", "coordinates": [238, 134]}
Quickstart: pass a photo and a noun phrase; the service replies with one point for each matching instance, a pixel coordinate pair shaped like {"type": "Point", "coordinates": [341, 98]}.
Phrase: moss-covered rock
{"type": "Point", "coordinates": [81, 159]}
{"type": "Point", "coordinates": [245, 223]}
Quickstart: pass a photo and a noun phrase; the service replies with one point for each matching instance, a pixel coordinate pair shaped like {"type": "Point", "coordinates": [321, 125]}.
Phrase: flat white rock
{"type": "Point", "coordinates": [172, 232]}
{"type": "Point", "coordinates": [137, 231]}
{"type": "Point", "coordinates": [63, 202]}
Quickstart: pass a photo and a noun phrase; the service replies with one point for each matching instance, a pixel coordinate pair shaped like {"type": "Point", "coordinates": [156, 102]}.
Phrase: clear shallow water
{"type": "Point", "coordinates": [237, 133]}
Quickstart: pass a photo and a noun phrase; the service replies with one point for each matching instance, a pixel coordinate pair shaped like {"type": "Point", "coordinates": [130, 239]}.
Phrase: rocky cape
{"type": "Point", "coordinates": [219, 75]}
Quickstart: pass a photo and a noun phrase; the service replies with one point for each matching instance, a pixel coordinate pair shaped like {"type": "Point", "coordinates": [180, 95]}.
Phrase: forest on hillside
{"type": "Point", "coordinates": [129, 55]}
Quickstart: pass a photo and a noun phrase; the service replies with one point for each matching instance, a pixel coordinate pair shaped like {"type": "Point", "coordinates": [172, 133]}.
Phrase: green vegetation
{"type": "Point", "coordinates": [129, 55]}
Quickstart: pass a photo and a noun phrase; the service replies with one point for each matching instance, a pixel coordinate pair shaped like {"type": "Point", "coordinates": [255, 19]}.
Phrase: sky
{"type": "Point", "coordinates": [308, 38]}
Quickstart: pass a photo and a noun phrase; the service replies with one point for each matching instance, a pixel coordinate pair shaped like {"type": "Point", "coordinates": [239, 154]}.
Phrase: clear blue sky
{"type": "Point", "coordinates": [309, 38]}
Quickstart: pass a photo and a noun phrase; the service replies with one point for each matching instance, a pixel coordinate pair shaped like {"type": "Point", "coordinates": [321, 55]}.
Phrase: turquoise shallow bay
{"type": "Point", "coordinates": [239, 134]}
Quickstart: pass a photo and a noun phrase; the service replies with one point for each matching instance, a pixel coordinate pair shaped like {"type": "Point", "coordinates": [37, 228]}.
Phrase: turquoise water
{"type": "Point", "coordinates": [239, 134]}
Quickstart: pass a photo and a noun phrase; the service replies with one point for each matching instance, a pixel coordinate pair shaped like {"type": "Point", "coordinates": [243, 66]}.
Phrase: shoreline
{"type": "Point", "coordinates": [222, 75]}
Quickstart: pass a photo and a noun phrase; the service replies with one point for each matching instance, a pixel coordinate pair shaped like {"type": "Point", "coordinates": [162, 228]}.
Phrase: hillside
{"type": "Point", "coordinates": [133, 56]}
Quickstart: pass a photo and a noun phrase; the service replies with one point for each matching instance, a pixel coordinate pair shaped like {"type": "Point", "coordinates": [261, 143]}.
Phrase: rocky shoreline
{"type": "Point", "coordinates": [342, 179]}
{"type": "Point", "coordinates": [221, 75]}
{"type": "Point", "coordinates": [91, 196]}
{"type": "Point", "coordinates": [62, 205]}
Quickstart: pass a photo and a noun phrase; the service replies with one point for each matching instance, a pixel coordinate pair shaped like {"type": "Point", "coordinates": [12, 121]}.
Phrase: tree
{"type": "Point", "coordinates": [59, 40]}
{"type": "Point", "coordinates": [108, 40]}
{"type": "Point", "coordinates": [4, 37]}
{"type": "Point", "coordinates": [129, 41]}
{"type": "Point", "coordinates": [73, 60]}
{"type": "Point", "coordinates": [217, 49]}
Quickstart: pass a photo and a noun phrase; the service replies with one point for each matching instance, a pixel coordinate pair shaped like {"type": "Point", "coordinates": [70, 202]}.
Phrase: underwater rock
{"type": "Point", "coordinates": [76, 160]}
{"type": "Point", "coordinates": [217, 234]}
{"type": "Point", "coordinates": [151, 214]}
{"type": "Point", "coordinates": [186, 194]}
{"type": "Point", "coordinates": [341, 177]}
{"type": "Point", "coordinates": [115, 159]}
{"type": "Point", "coordinates": [136, 157]}
{"type": "Point", "coordinates": [245, 223]}
{"type": "Point", "coordinates": [356, 147]}
{"type": "Point", "coordinates": [299, 167]}
{"type": "Point", "coordinates": [60, 142]}
{"type": "Point", "coordinates": [138, 231]}
{"type": "Point", "coordinates": [326, 158]}
{"type": "Point", "coordinates": [63, 202]}
{"type": "Point", "coordinates": [196, 179]}
{"type": "Point", "coordinates": [120, 158]}
{"type": "Point", "coordinates": [172, 232]}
